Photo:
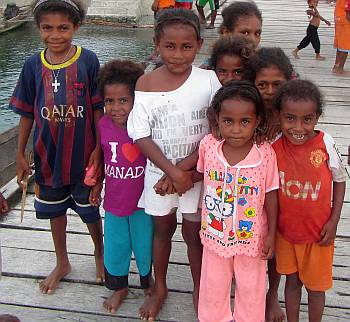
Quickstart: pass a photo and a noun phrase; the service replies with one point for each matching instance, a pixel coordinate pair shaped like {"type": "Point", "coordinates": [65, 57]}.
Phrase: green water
{"type": "Point", "coordinates": [107, 42]}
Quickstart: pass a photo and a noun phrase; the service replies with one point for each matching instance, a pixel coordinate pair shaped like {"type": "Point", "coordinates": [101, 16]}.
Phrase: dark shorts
{"type": "Point", "coordinates": [51, 202]}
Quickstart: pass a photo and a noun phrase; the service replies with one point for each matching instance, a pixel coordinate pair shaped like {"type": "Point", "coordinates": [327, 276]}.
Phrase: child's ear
{"type": "Point", "coordinates": [156, 43]}
{"type": "Point", "coordinates": [200, 43]}
{"type": "Point", "coordinates": [224, 30]}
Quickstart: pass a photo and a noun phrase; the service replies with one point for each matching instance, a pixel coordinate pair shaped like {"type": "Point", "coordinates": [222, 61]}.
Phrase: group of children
{"type": "Point", "coordinates": [189, 140]}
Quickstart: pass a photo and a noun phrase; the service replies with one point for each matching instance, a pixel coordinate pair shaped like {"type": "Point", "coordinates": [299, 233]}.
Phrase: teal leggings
{"type": "Point", "coordinates": [122, 236]}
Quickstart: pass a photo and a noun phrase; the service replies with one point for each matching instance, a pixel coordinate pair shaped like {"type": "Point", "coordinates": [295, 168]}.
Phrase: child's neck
{"type": "Point", "coordinates": [55, 59]}
{"type": "Point", "coordinates": [169, 81]}
{"type": "Point", "coordinates": [234, 155]}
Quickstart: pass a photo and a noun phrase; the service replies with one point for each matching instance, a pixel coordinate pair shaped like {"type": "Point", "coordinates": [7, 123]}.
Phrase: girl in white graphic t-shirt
{"type": "Point", "coordinates": [167, 122]}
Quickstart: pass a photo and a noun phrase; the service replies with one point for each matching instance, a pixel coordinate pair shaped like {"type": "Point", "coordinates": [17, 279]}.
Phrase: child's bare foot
{"type": "Point", "coordinates": [274, 312]}
{"type": "Point", "coordinates": [50, 283]}
{"type": "Point", "coordinates": [152, 305]}
{"type": "Point", "coordinates": [210, 26]}
{"type": "Point", "coordinates": [113, 303]}
{"type": "Point", "coordinates": [100, 270]}
{"type": "Point", "coordinates": [295, 53]}
{"type": "Point", "coordinates": [340, 72]}
{"type": "Point", "coordinates": [8, 318]}
{"type": "Point", "coordinates": [319, 57]}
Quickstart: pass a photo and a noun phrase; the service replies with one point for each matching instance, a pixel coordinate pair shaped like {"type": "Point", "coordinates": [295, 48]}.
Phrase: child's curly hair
{"type": "Point", "coordinates": [236, 10]}
{"type": "Point", "coordinates": [231, 46]}
{"type": "Point", "coordinates": [74, 9]}
{"type": "Point", "coordinates": [177, 16]}
{"type": "Point", "coordinates": [119, 72]}
{"type": "Point", "coordinates": [242, 90]}
{"type": "Point", "coordinates": [267, 57]}
{"type": "Point", "coordinates": [299, 90]}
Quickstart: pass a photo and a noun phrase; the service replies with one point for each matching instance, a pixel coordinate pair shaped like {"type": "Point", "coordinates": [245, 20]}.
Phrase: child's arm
{"type": "Point", "coordinates": [328, 23]}
{"type": "Point", "coordinates": [155, 5]}
{"type": "Point", "coordinates": [271, 207]}
{"type": "Point", "coordinates": [96, 155]}
{"type": "Point", "coordinates": [330, 228]}
{"type": "Point", "coordinates": [347, 9]}
{"type": "Point", "coordinates": [22, 165]}
{"type": "Point", "coordinates": [181, 179]}
{"type": "Point", "coordinates": [3, 204]}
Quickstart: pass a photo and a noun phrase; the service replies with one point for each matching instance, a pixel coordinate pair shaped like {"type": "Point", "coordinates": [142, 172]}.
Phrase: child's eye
{"type": "Point", "coordinates": [245, 122]}
{"type": "Point", "coordinates": [108, 101]}
{"type": "Point", "coordinates": [289, 117]}
{"type": "Point", "coordinates": [238, 71]}
{"type": "Point", "coordinates": [222, 72]}
{"type": "Point", "coordinates": [123, 100]}
{"type": "Point", "coordinates": [227, 122]}
{"type": "Point", "coordinates": [188, 47]}
{"type": "Point", "coordinates": [261, 85]}
{"type": "Point", "coordinates": [307, 119]}
{"type": "Point", "coordinates": [258, 34]}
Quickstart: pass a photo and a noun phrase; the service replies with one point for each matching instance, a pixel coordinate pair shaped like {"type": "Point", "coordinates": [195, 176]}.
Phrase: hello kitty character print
{"type": "Point", "coordinates": [233, 219]}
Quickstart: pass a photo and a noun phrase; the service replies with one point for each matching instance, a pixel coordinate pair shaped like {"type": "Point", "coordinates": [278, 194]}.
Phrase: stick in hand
{"type": "Point", "coordinates": [29, 158]}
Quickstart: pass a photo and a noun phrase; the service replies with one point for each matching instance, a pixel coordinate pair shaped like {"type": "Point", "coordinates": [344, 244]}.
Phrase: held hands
{"type": "Point", "coordinates": [95, 163]}
{"type": "Point", "coordinates": [95, 194]}
{"type": "Point", "coordinates": [164, 186]}
{"type": "Point", "coordinates": [269, 247]}
{"type": "Point", "coordinates": [328, 233]}
{"type": "Point", "coordinates": [180, 182]}
{"type": "Point", "coordinates": [23, 169]}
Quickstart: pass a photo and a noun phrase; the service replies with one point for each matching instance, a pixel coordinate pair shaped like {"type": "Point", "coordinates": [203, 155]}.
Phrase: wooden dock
{"type": "Point", "coordinates": [28, 252]}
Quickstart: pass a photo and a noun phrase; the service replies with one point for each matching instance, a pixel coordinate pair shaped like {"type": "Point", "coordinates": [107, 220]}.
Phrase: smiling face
{"type": "Point", "coordinates": [229, 67]}
{"type": "Point", "coordinates": [247, 26]}
{"type": "Point", "coordinates": [298, 120]}
{"type": "Point", "coordinates": [118, 103]}
{"type": "Point", "coordinates": [56, 31]}
{"type": "Point", "coordinates": [237, 122]}
{"type": "Point", "coordinates": [267, 81]}
{"type": "Point", "coordinates": [178, 46]}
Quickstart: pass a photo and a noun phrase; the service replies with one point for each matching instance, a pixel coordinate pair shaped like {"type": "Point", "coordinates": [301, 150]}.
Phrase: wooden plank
{"type": "Point", "coordinates": [30, 314]}
{"type": "Point", "coordinates": [84, 298]}
{"type": "Point", "coordinates": [179, 277]}
{"type": "Point", "coordinates": [82, 245]}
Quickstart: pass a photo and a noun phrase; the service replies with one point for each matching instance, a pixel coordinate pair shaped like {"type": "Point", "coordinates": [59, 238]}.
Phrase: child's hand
{"type": "Point", "coordinates": [155, 5]}
{"type": "Point", "coordinates": [95, 194]}
{"type": "Point", "coordinates": [3, 205]}
{"type": "Point", "coordinates": [269, 247]}
{"type": "Point", "coordinates": [272, 131]}
{"type": "Point", "coordinates": [182, 181]}
{"type": "Point", "coordinates": [328, 23]}
{"type": "Point", "coordinates": [164, 186]}
{"type": "Point", "coordinates": [95, 161]}
{"type": "Point", "coordinates": [23, 169]}
{"type": "Point", "coordinates": [328, 233]}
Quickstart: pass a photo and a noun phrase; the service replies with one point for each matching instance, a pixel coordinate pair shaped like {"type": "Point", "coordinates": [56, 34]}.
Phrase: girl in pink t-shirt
{"type": "Point", "coordinates": [240, 183]}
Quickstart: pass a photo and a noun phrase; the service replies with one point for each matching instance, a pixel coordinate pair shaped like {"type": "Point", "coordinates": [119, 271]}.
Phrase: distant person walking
{"type": "Point", "coordinates": [342, 36]}
{"type": "Point", "coordinates": [312, 31]}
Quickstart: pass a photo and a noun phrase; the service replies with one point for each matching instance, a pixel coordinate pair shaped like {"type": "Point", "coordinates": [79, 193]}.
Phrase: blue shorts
{"type": "Point", "coordinates": [51, 202]}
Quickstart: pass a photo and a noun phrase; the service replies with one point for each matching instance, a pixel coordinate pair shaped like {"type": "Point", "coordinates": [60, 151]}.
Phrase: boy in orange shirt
{"type": "Point", "coordinates": [311, 174]}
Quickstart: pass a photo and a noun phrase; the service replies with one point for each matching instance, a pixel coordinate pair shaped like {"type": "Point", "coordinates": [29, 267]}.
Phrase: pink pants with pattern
{"type": "Point", "coordinates": [215, 288]}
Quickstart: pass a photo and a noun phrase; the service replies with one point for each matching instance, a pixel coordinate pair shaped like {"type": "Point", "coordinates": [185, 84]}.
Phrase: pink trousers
{"type": "Point", "coordinates": [215, 288]}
